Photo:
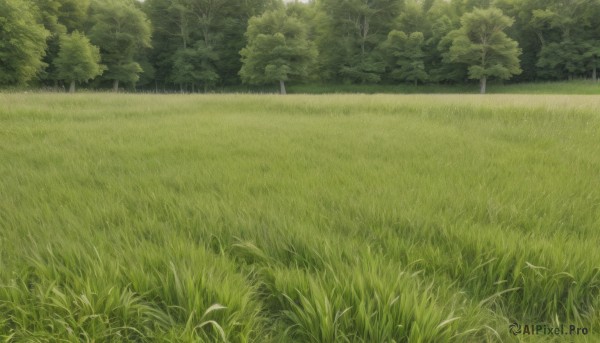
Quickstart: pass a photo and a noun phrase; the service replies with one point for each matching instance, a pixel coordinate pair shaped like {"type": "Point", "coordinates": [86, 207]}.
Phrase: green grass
{"type": "Point", "coordinates": [575, 87]}
{"type": "Point", "coordinates": [346, 218]}
{"type": "Point", "coordinates": [571, 87]}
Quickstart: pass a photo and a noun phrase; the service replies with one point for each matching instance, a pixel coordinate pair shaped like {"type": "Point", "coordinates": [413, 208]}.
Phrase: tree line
{"type": "Point", "coordinates": [196, 45]}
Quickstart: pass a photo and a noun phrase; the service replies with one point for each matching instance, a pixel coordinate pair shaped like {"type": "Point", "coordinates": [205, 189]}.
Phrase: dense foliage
{"type": "Point", "coordinates": [22, 43]}
{"type": "Point", "coordinates": [188, 45]}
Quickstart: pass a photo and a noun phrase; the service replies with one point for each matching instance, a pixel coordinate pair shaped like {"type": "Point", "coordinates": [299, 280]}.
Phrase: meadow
{"type": "Point", "coordinates": [574, 87]}
{"type": "Point", "coordinates": [304, 218]}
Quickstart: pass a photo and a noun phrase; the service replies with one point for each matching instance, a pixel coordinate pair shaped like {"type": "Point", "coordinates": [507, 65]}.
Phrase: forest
{"type": "Point", "coordinates": [198, 45]}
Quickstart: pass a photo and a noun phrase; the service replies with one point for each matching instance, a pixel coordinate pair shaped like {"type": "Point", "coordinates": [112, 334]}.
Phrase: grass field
{"type": "Point", "coordinates": [575, 87]}
{"type": "Point", "coordinates": [341, 218]}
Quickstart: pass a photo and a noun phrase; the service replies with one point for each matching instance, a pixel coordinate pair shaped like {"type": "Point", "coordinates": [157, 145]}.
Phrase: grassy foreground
{"type": "Point", "coordinates": [346, 218]}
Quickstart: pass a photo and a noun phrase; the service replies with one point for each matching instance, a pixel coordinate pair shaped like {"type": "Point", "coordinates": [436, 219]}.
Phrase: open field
{"type": "Point", "coordinates": [345, 218]}
{"type": "Point", "coordinates": [583, 87]}
{"type": "Point", "coordinates": [575, 87]}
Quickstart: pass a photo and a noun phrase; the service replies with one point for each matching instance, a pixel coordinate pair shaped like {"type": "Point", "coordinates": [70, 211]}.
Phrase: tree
{"type": "Point", "coordinates": [442, 19]}
{"type": "Point", "coordinates": [561, 59]}
{"type": "Point", "coordinates": [183, 24]}
{"type": "Point", "coordinates": [591, 45]}
{"type": "Point", "coordinates": [120, 29]}
{"type": "Point", "coordinates": [277, 50]}
{"type": "Point", "coordinates": [482, 44]}
{"type": "Point", "coordinates": [49, 12]}
{"type": "Point", "coordinates": [196, 65]}
{"type": "Point", "coordinates": [78, 60]}
{"type": "Point", "coordinates": [198, 28]}
{"type": "Point", "coordinates": [349, 32]}
{"type": "Point", "coordinates": [592, 56]}
{"type": "Point", "coordinates": [526, 32]}
{"type": "Point", "coordinates": [59, 17]}
{"type": "Point", "coordinates": [406, 56]}
{"type": "Point", "coordinates": [553, 34]}
{"type": "Point", "coordinates": [22, 42]}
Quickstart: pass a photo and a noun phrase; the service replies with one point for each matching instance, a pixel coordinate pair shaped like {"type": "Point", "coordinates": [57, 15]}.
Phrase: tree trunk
{"type": "Point", "coordinates": [72, 87]}
{"type": "Point", "coordinates": [595, 74]}
{"type": "Point", "coordinates": [364, 32]}
{"type": "Point", "coordinates": [482, 84]}
{"type": "Point", "coordinates": [282, 87]}
{"type": "Point", "coordinates": [115, 86]}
